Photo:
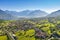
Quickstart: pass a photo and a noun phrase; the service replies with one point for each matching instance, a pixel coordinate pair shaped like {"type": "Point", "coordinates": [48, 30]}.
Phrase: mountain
{"type": "Point", "coordinates": [14, 13]}
{"type": "Point", "coordinates": [54, 14]}
{"type": "Point", "coordinates": [5, 16]}
{"type": "Point", "coordinates": [28, 13]}
{"type": "Point", "coordinates": [24, 13]}
{"type": "Point", "coordinates": [9, 15]}
{"type": "Point", "coordinates": [38, 13]}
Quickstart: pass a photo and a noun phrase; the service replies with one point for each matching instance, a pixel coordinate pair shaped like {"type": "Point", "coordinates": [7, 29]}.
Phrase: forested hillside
{"type": "Point", "coordinates": [30, 29]}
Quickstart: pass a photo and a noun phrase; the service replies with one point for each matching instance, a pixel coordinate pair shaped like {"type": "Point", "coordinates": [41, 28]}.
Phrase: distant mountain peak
{"type": "Point", "coordinates": [54, 14]}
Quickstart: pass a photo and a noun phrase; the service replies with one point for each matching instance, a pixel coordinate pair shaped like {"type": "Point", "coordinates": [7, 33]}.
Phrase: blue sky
{"type": "Point", "coordinates": [19, 5]}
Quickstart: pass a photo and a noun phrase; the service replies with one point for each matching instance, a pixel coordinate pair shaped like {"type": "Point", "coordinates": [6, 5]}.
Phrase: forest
{"type": "Point", "coordinates": [30, 29]}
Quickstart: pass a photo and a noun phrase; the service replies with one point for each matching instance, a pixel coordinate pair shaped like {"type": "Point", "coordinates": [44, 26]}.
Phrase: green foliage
{"type": "Point", "coordinates": [47, 30]}
{"type": "Point", "coordinates": [34, 27]}
{"type": "Point", "coordinates": [3, 37]}
{"type": "Point", "coordinates": [30, 32]}
{"type": "Point", "coordinates": [58, 32]}
{"type": "Point", "coordinates": [25, 38]}
{"type": "Point", "coordinates": [26, 35]}
{"type": "Point", "coordinates": [20, 32]}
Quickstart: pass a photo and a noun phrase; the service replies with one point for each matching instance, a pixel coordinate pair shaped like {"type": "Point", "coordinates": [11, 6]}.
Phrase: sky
{"type": "Point", "coordinates": [20, 5]}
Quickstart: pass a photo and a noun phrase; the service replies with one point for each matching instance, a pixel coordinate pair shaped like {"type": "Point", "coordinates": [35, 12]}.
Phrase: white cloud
{"type": "Point", "coordinates": [50, 10]}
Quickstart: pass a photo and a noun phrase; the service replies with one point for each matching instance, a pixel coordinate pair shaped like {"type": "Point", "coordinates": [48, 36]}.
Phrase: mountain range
{"type": "Point", "coordinates": [4, 15]}
{"type": "Point", "coordinates": [8, 15]}
{"type": "Point", "coordinates": [28, 13]}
